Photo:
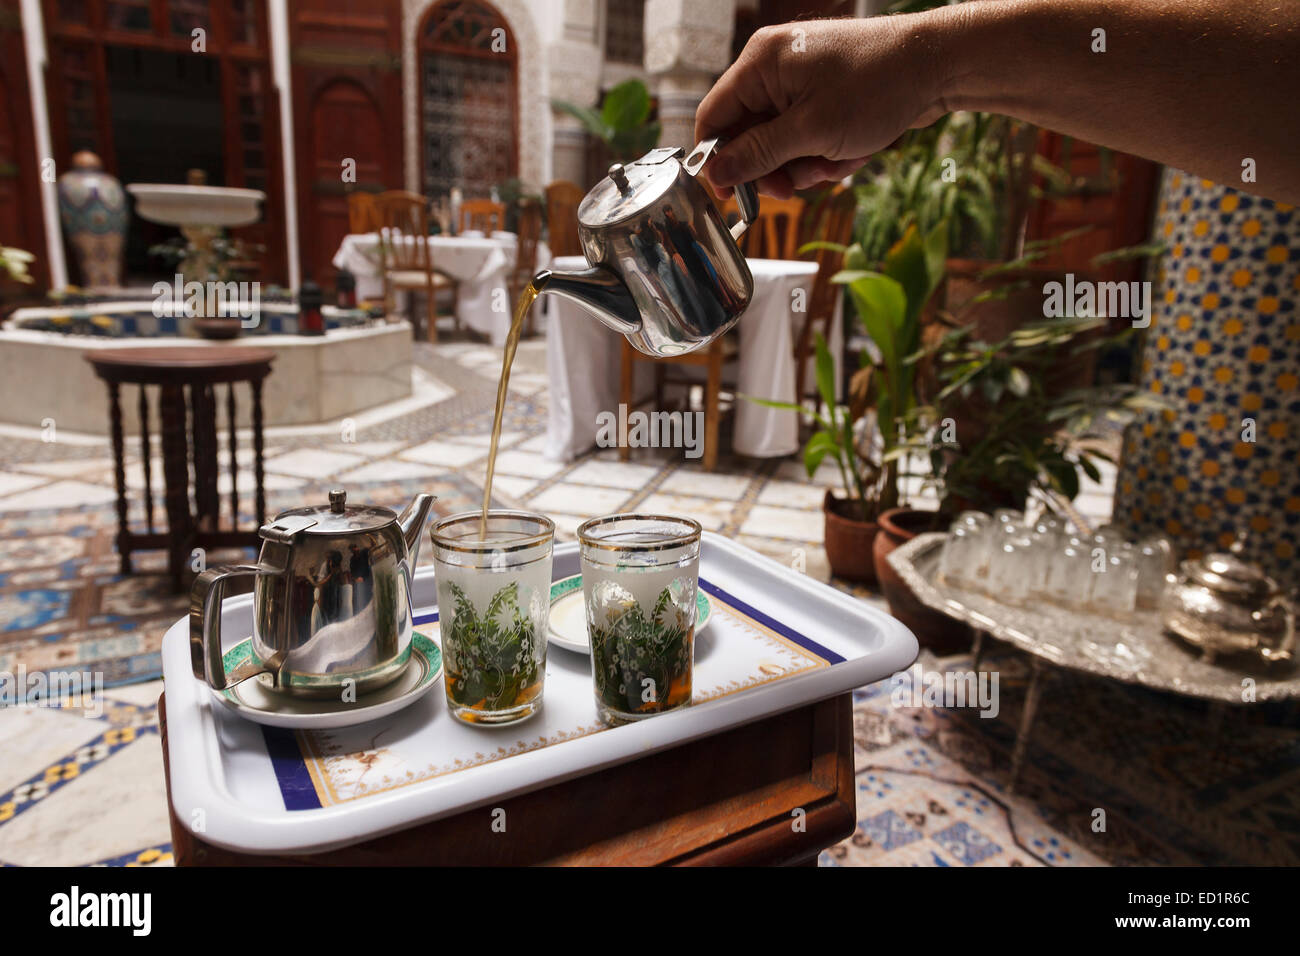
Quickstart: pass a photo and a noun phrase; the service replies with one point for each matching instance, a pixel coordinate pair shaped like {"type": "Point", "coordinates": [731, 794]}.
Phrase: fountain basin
{"type": "Point", "coordinates": [314, 380]}
{"type": "Point", "coordinates": [170, 204]}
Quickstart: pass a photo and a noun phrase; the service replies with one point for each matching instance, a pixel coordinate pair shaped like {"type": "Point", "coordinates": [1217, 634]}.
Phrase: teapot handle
{"type": "Point", "coordinates": [1286, 648]}
{"type": "Point", "coordinates": [205, 628]}
{"type": "Point", "coordinates": [746, 193]}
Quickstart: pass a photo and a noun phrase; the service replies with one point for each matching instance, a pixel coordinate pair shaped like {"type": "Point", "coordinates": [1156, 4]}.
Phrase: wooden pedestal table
{"type": "Point", "coordinates": [730, 799]}
{"type": "Point", "coordinates": [173, 371]}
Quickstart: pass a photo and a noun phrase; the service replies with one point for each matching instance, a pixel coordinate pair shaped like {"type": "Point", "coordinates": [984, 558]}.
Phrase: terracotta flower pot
{"type": "Point", "coordinates": [933, 629]}
{"type": "Point", "coordinates": [848, 541]}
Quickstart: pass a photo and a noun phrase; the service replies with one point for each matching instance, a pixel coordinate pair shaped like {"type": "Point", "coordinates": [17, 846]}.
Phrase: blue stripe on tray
{"type": "Point", "coordinates": [290, 770]}
{"type": "Point", "coordinates": [784, 630]}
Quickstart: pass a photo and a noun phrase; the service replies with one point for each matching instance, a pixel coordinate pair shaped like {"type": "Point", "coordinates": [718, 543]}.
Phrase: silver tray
{"type": "Point", "coordinates": [1135, 650]}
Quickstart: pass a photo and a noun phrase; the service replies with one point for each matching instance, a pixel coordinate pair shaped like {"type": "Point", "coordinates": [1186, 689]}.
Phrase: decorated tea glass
{"type": "Point", "coordinates": [493, 597]}
{"type": "Point", "coordinates": [639, 576]}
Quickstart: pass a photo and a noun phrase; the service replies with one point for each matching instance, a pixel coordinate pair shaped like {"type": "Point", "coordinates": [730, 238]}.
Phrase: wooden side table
{"type": "Point", "coordinates": [172, 370]}
{"type": "Point", "coordinates": [729, 799]}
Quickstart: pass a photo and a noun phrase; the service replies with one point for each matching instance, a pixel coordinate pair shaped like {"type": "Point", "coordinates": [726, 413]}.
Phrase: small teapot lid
{"type": "Point", "coordinates": [1229, 573]}
{"type": "Point", "coordinates": [338, 517]}
{"type": "Point", "coordinates": [630, 188]}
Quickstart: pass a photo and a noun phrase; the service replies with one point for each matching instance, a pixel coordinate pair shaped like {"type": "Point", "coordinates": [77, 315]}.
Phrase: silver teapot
{"type": "Point", "coordinates": [331, 601]}
{"type": "Point", "coordinates": [665, 267]}
{"type": "Point", "coordinates": [1223, 604]}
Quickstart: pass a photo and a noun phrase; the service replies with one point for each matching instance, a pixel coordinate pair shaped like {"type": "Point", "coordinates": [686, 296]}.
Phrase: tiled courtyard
{"type": "Point", "coordinates": [79, 790]}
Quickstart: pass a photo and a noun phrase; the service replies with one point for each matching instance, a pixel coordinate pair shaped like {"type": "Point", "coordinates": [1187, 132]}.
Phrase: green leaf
{"type": "Point", "coordinates": [825, 368]}
{"type": "Point", "coordinates": [1018, 382]}
{"type": "Point", "coordinates": [589, 118]}
{"type": "Point", "coordinates": [819, 446]}
{"type": "Point", "coordinates": [626, 105]}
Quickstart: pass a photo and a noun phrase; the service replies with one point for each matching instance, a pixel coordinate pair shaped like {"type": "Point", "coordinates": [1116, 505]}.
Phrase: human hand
{"type": "Point", "coordinates": [810, 101]}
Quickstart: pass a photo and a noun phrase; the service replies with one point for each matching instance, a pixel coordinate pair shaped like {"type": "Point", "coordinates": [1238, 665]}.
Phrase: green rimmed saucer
{"type": "Point", "coordinates": [254, 700]}
{"type": "Point", "coordinates": [567, 622]}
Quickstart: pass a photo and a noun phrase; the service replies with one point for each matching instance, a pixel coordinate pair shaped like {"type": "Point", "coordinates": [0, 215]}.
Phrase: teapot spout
{"type": "Point", "coordinates": [411, 521]}
{"type": "Point", "coordinates": [600, 291]}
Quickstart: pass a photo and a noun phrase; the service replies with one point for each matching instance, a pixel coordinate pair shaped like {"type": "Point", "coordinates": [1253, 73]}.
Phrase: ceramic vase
{"type": "Point", "coordinates": [94, 213]}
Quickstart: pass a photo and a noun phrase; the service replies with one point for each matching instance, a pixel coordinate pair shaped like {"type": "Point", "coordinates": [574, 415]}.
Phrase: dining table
{"type": "Point", "coordinates": [583, 363]}
{"type": "Point", "coordinates": [480, 264]}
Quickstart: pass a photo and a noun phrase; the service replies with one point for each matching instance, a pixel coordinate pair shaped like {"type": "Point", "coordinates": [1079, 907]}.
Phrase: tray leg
{"type": "Point", "coordinates": [977, 649]}
{"type": "Point", "coordinates": [1036, 679]}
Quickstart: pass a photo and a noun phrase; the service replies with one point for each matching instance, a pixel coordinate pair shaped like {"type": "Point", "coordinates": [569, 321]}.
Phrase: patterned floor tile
{"type": "Point", "coordinates": [578, 499]}
{"type": "Point", "coordinates": [313, 463]}
{"type": "Point", "coordinates": [444, 454]}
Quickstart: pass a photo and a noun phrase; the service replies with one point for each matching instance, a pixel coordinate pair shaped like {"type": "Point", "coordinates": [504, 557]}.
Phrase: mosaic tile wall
{"type": "Point", "coordinates": [1223, 351]}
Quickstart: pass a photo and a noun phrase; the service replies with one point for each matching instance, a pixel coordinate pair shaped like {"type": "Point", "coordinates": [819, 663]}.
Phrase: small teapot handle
{"type": "Point", "coordinates": [205, 628]}
{"type": "Point", "coordinates": [746, 193]}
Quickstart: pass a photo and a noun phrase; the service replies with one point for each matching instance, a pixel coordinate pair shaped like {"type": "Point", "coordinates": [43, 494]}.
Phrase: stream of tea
{"type": "Point", "coordinates": [526, 300]}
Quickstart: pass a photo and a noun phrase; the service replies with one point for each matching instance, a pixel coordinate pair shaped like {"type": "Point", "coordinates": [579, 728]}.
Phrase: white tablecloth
{"type": "Point", "coordinates": [583, 362]}
{"type": "Point", "coordinates": [480, 265]}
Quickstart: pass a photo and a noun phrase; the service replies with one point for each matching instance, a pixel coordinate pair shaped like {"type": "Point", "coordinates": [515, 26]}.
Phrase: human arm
{"type": "Point", "coordinates": [1203, 85]}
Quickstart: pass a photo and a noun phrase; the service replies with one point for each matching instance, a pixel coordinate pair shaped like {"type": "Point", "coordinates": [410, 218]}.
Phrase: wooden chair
{"type": "Point", "coordinates": [406, 253]}
{"type": "Point", "coordinates": [530, 234]}
{"type": "Point", "coordinates": [482, 214]}
{"type": "Point", "coordinates": [363, 213]}
{"type": "Point", "coordinates": [775, 234]}
{"type": "Point", "coordinates": [562, 201]}
{"type": "Point", "coordinates": [831, 220]}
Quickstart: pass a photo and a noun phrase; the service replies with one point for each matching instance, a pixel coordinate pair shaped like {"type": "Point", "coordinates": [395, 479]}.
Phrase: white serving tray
{"type": "Point", "coordinates": [228, 786]}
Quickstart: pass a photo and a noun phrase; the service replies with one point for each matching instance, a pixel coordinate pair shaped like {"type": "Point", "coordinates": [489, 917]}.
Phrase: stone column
{"type": "Point", "coordinates": [575, 61]}
{"type": "Point", "coordinates": [687, 45]}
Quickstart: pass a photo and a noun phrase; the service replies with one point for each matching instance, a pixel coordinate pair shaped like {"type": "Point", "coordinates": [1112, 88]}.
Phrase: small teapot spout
{"type": "Point", "coordinates": [600, 290]}
{"type": "Point", "coordinates": [411, 521]}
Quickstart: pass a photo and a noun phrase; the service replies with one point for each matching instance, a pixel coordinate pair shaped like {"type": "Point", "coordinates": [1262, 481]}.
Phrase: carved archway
{"type": "Point", "coordinates": [522, 45]}
{"type": "Point", "coordinates": [468, 76]}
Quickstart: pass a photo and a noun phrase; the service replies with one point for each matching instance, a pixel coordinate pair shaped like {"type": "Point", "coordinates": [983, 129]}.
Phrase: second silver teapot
{"type": "Point", "coordinates": [665, 267]}
{"type": "Point", "coordinates": [331, 601]}
{"type": "Point", "coordinates": [1222, 604]}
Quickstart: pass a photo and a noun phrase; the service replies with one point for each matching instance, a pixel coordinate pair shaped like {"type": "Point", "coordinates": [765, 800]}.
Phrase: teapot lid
{"type": "Point", "coordinates": [630, 188]}
{"type": "Point", "coordinates": [1230, 574]}
{"type": "Point", "coordinates": [338, 517]}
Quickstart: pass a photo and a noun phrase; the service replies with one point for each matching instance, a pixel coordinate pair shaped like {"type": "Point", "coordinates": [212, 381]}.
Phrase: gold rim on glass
{"type": "Point", "coordinates": [473, 546]}
{"type": "Point", "coordinates": [675, 541]}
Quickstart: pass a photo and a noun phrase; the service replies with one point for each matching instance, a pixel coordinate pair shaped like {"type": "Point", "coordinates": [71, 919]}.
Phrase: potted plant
{"type": "Point", "coordinates": [1033, 438]}
{"type": "Point", "coordinates": [864, 434]}
{"type": "Point", "coordinates": [841, 432]}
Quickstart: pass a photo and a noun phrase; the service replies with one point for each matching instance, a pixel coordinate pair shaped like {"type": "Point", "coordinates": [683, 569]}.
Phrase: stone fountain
{"type": "Point", "coordinates": [200, 212]}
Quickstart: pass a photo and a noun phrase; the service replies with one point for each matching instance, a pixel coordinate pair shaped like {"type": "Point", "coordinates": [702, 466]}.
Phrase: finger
{"type": "Point", "coordinates": [777, 185]}
{"type": "Point", "coordinates": [808, 171]}
{"type": "Point", "coordinates": [759, 151]}
{"type": "Point", "coordinates": [740, 98]}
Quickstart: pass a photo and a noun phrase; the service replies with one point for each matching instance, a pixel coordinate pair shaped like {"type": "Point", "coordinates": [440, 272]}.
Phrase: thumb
{"type": "Point", "coordinates": [760, 150]}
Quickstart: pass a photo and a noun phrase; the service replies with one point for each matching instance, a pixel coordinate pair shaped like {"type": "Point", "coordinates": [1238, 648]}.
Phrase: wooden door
{"type": "Point", "coordinates": [21, 222]}
{"type": "Point", "coordinates": [347, 108]}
